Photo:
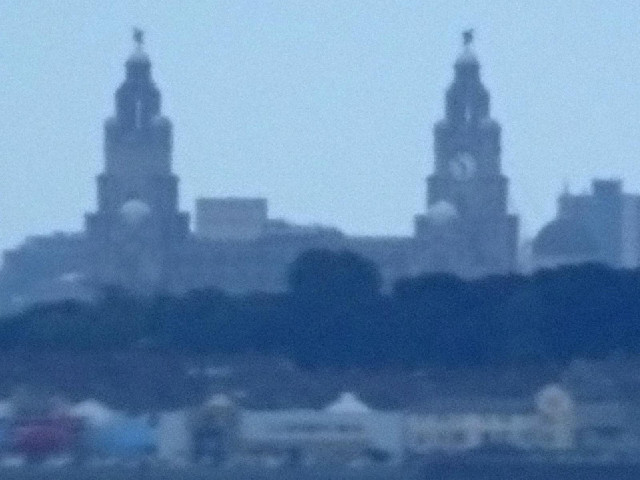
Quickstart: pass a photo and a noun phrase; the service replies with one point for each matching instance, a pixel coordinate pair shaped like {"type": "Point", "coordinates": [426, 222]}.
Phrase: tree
{"type": "Point", "coordinates": [333, 316]}
{"type": "Point", "coordinates": [336, 276]}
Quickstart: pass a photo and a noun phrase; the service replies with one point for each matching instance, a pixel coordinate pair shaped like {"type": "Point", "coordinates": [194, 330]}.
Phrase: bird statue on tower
{"type": "Point", "coordinates": [467, 36]}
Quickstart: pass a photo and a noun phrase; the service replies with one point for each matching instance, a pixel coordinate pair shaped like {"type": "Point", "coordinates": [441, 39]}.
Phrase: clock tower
{"type": "Point", "coordinates": [138, 229]}
{"type": "Point", "coordinates": [468, 179]}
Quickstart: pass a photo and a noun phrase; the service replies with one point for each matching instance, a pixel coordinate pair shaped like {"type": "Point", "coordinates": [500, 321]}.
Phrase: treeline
{"type": "Point", "coordinates": [334, 314]}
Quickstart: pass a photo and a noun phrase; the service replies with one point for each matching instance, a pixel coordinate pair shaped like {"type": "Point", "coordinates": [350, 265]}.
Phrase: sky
{"type": "Point", "coordinates": [325, 108]}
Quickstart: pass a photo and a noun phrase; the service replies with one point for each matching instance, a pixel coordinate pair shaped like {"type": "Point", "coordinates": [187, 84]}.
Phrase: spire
{"type": "Point", "coordinates": [467, 99]}
{"type": "Point", "coordinates": [467, 57]}
{"type": "Point", "coordinates": [137, 99]}
{"type": "Point", "coordinates": [138, 62]}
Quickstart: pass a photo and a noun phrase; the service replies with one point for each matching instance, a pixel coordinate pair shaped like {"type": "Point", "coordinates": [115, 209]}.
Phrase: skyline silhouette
{"type": "Point", "coordinates": [326, 110]}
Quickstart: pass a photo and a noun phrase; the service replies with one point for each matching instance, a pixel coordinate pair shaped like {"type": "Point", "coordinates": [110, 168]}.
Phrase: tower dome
{"type": "Point", "coordinates": [467, 100]}
{"type": "Point", "coordinates": [138, 57]}
{"type": "Point", "coordinates": [138, 64]}
{"type": "Point", "coordinates": [137, 98]}
{"type": "Point", "coordinates": [565, 237]}
{"type": "Point", "coordinates": [468, 56]}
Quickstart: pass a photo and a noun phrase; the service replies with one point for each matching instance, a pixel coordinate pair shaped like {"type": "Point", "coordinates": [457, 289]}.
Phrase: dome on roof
{"type": "Point", "coordinates": [347, 402]}
{"type": "Point", "coordinates": [134, 211]}
{"type": "Point", "coordinates": [441, 212]}
{"type": "Point", "coordinates": [565, 236]}
{"type": "Point", "coordinates": [139, 56]}
{"type": "Point", "coordinates": [138, 62]}
{"type": "Point", "coordinates": [467, 57]}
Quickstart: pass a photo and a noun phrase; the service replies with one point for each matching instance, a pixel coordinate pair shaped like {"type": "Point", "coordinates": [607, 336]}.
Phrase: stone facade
{"type": "Point", "coordinates": [138, 238]}
{"type": "Point", "coordinates": [137, 231]}
{"type": "Point", "coordinates": [467, 228]}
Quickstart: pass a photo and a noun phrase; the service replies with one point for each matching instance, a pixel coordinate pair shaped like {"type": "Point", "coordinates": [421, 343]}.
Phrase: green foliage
{"type": "Point", "coordinates": [333, 277]}
{"type": "Point", "coordinates": [335, 316]}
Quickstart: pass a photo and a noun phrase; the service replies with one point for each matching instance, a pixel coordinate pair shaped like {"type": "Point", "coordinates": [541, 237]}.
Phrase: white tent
{"type": "Point", "coordinates": [96, 413]}
{"type": "Point", "coordinates": [348, 403]}
{"type": "Point", "coordinates": [174, 436]}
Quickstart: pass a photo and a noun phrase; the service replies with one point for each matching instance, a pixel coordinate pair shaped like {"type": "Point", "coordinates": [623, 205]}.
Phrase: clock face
{"type": "Point", "coordinates": [463, 166]}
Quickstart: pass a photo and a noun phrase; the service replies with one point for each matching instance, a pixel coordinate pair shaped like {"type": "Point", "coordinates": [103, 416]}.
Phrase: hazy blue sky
{"type": "Point", "coordinates": [324, 107]}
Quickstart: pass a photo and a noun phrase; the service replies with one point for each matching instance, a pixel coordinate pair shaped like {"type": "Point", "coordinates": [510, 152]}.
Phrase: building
{"type": "Point", "coordinates": [467, 229]}
{"type": "Point", "coordinates": [140, 240]}
{"type": "Point", "coordinates": [459, 425]}
{"type": "Point", "coordinates": [602, 226]}
{"type": "Point", "coordinates": [137, 232]}
{"type": "Point", "coordinates": [345, 432]}
{"type": "Point", "coordinates": [234, 219]}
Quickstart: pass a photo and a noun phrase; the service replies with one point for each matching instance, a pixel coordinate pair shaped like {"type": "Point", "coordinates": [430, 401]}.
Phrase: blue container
{"type": "Point", "coordinates": [124, 438]}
